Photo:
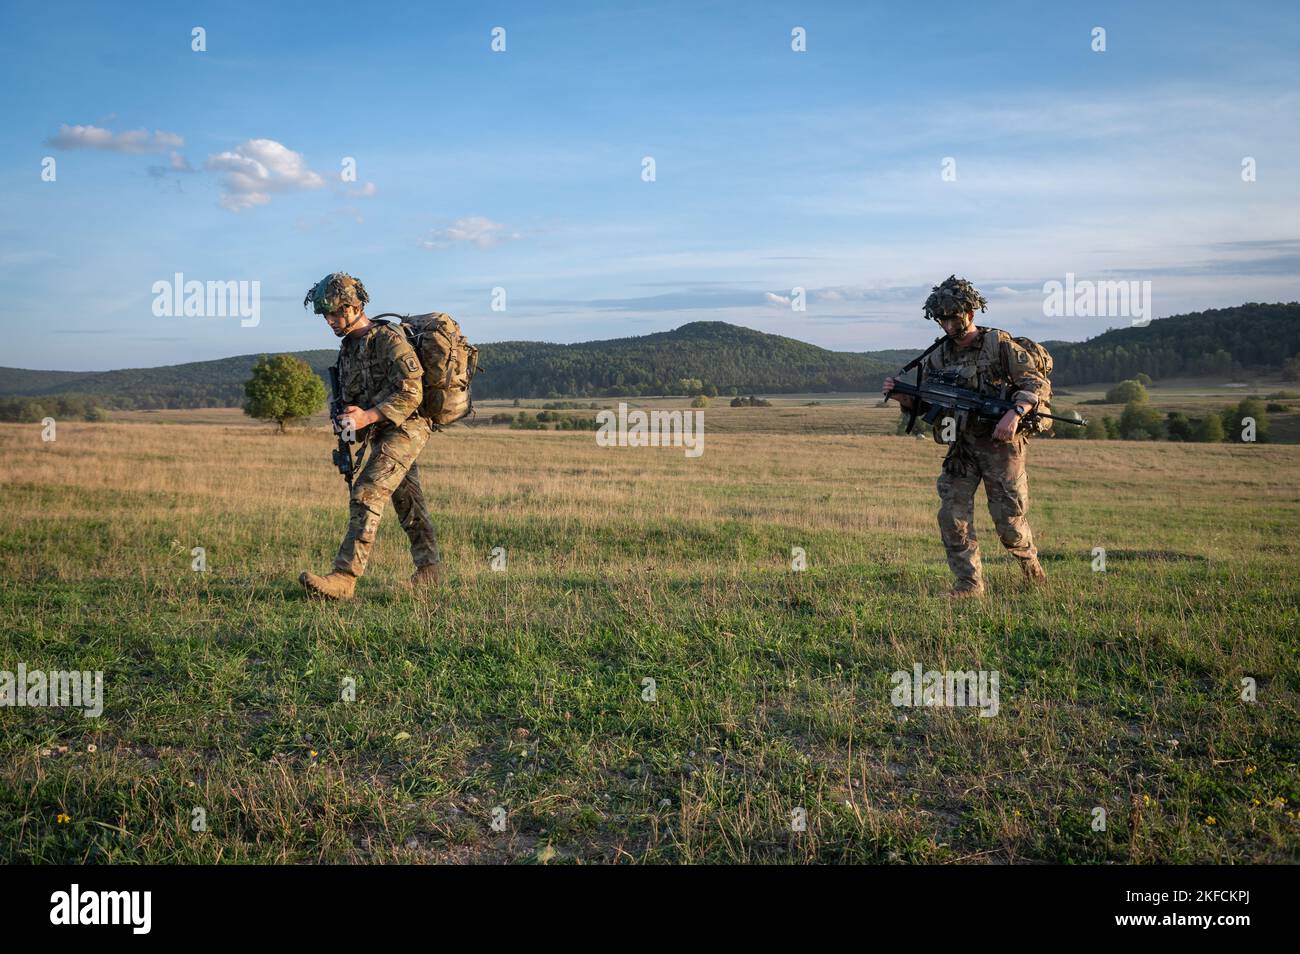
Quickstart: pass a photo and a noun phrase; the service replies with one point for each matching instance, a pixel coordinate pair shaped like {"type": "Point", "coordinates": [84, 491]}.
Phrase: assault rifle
{"type": "Point", "coordinates": [343, 459]}
{"type": "Point", "coordinates": [941, 396]}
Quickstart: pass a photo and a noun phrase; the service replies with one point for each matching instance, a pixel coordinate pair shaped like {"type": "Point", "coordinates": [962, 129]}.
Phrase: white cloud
{"type": "Point", "coordinates": [781, 300]}
{"type": "Point", "coordinates": [258, 168]}
{"type": "Point", "coordinates": [96, 137]}
{"type": "Point", "coordinates": [475, 229]}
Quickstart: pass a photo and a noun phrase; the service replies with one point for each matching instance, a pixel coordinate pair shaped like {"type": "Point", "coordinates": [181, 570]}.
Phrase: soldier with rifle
{"type": "Point", "coordinates": [376, 392]}
{"type": "Point", "coordinates": [982, 399]}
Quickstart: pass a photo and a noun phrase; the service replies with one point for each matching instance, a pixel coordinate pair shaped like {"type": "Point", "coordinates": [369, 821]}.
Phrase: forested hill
{"type": "Point", "coordinates": [218, 383]}
{"type": "Point", "coordinates": [1221, 342]}
{"type": "Point", "coordinates": [713, 353]}
{"type": "Point", "coordinates": [715, 356]}
{"type": "Point", "coordinates": [709, 355]}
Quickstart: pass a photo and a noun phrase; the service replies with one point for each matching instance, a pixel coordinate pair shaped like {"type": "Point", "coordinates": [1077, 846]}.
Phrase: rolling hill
{"type": "Point", "coordinates": [715, 353]}
{"type": "Point", "coordinates": [1248, 338]}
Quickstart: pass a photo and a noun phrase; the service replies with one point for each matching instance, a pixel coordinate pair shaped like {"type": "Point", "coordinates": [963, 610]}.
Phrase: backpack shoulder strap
{"type": "Point", "coordinates": [990, 363]}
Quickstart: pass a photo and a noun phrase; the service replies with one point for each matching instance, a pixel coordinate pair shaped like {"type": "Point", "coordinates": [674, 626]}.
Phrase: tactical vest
{"type": "Point", "coordinates": [361, 380]}
{"type": "Point", "coordinates": [983, 368]}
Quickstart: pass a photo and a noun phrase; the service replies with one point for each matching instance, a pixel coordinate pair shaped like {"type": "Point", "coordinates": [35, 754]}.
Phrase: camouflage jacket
{"type": "Point", "coordinates": [995, 366]}
{"type": "Point", "coordinates": [379, 369]}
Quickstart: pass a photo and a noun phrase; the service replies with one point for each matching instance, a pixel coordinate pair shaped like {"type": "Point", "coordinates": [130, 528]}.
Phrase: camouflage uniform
{"type": "Point", "coordinates": [379, 369]}
{"type": "Point", "coordinates": [1002, 369]}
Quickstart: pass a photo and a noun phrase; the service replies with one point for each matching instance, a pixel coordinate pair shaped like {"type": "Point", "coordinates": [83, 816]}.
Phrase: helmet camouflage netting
{"type": "Point", "coordinates": [334, 291]}
{"type": "Point", "coordinates": [955, 296]}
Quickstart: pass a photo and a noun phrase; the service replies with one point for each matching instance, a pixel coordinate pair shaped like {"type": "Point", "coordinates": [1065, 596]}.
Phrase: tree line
{"type": "Point", "coordinates": [1244, 422]}
{"type": "Point", "coordinates": [722, 360]}
{"type": "Point", "coordinates": [63, 407]}
{"type": "Point", "coordinates": [1222, 342]}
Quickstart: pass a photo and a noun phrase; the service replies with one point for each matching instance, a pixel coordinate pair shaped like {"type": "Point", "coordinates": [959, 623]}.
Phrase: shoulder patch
{"type": "Point", "coordinates": [1022, 356]}
{"type": "Point", "coordinates": [411, 365]}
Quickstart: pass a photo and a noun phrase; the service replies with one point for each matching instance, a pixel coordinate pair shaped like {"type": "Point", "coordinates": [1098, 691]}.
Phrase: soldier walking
{"type": "Point", "coordinates": [379, 378]}
{"type": "Point", "coordinates": [990, 361]}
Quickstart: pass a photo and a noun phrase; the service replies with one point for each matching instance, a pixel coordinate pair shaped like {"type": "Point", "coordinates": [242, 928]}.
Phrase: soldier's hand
{"type": "Point", "coordinates": [1006, 428]}
{"type": "Point", "coordinates": [356, 417]}
{"type": "Point", "coordinates": [902, 399]}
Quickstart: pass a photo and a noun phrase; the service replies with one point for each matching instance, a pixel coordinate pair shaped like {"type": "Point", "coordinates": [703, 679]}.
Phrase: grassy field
{"type": "Point", "coordinates": [524, 690]}
{"type": "Point", "coordinates": [842, 414]}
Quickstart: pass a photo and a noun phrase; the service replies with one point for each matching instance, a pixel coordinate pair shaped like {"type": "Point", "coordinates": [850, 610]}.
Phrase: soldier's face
{"type": "Point", "coordinates": [341, 319]}
{"type": "Point", "coordinates": [957, 327]}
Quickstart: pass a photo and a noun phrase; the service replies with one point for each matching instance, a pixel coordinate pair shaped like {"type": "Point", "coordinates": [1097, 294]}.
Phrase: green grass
{"type": "Point", "coordinates": [523, 689]}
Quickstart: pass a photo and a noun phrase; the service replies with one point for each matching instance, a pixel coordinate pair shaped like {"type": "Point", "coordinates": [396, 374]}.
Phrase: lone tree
{"type": "Point", "coordinates": [1126, 392]}
{"type": "Point", "coordinates": [283, 389]}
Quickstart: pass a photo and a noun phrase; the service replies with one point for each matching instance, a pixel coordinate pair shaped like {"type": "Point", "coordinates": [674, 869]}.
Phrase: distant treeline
{"type": "Point", "coordinates": [218, 383]}
{"type": "Point", "coordinates": [64, 407]}
{"type": "Point", "coordinates": [1244, 422]}
{"type": "Point", "coordinates": [1222, 342]}
{"type": "Point", "coordinates": [718, 359]}
{"type": "Point", "coordinates": [542, 421]}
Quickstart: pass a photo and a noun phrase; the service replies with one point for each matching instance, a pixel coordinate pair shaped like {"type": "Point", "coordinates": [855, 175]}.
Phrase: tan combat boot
{"type": "Point", "coordinates": [332, 586]}
{"type": "Point", "coordinates": [1033, 571]}
{"type": "Point", "coordinates": [966, 589]}
{"type": "Point", "coordinates": [429, 575]}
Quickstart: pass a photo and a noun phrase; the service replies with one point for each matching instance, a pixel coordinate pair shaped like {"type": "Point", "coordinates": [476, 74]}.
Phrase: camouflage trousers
{"type": "Point", "coordinates": [390, 471]}
{"type": "Point", "coordinates": [1001, 467]}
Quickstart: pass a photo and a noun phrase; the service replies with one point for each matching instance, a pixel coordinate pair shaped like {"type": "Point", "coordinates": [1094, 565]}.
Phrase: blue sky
{"type": "Point", "coordinates": [775, 169]}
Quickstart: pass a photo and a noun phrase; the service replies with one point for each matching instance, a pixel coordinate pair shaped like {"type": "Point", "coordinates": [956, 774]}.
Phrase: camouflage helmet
{"type": "Point", "coordinates": [334, 291]}
{"type": "Point", "coordinates": [955, 296]}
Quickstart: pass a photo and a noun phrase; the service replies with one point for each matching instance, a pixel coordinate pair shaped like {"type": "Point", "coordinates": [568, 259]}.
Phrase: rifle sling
{"type": "Point", "coordinates": [916, 363]}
